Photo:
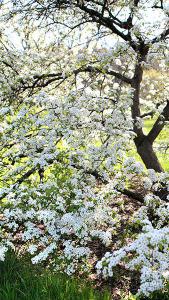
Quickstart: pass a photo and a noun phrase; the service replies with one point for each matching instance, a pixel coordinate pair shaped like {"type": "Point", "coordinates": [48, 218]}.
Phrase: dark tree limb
{"type": "Point", "coordinates": [149, 113]}
{"type": "Point", "coordinates": [19, 181]}
{"type": "Point", "coordinates": [110, 22]}
{"type": "Point", "coordinates": [44, 80]}
{"type": "Point", "coordinates": [132, 194]}
{"type": "Point", "coordinates": [127, 192]}
{"type": "Point", "coordinates": [161, 37]}
{"type": "Point", "coordinates": [159, 124]}
{"type": "Point", "coordinates": [135, 108]}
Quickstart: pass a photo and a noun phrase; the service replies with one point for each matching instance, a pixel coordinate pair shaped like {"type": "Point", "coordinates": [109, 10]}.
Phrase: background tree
{"type": "Point", "coordinates": [130, 22]}
{"type": "Point", "coordinates": [76, 86]}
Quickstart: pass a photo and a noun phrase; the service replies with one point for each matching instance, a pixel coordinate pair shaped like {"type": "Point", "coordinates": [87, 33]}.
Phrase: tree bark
{"type": "Point", "coordinates": [159, 124]}
{"type": "Point", "coordinates": [142, 142]}
{"type": "Point", "coordinates": [146, 152]}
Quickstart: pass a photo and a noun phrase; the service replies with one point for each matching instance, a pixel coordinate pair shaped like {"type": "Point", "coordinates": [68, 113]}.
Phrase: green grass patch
{"type": "Point", "coordinates": [19, 280]}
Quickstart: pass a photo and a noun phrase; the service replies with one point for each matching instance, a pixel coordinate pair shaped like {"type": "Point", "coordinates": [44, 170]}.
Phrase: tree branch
{"type": "Point", "coordinates": [159, 124]}
{"type": "Point", "coordinates": [108, 23]}
{"type": "Point", "coordinates": [44, 80]}
{"type": "Point", "coordinates": [137, 196]}
{"type": "Point", "coordinates": [161, 37]}
{"type": "Point", "coordinates": [108, 72]}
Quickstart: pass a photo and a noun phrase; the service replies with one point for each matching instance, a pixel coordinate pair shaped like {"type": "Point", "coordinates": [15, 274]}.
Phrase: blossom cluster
{"type": "Point", "coordinates": [149, 252]}
{"type": "Point", "coordinates": [58, 222]}
{"type": "Point", "coordinates": [65, 134]}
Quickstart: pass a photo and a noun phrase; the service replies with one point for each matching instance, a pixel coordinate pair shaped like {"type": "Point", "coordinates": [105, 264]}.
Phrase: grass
{"type": "Point", "coordinates": [21, 281]}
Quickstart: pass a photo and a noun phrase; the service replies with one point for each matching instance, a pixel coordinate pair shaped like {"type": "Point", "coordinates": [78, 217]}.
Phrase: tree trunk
{"type": "Point", "coordinates": [143, 144]}
{"type": "Point", "coordinates": [146, 152]}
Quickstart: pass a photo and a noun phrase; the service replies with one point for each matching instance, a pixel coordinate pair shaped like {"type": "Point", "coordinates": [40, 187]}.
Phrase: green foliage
{"type": "Point", "coordinates": [154, 296]}
{"type": "Point", "coordinates": [21, 281]}
{"type": "Point", "coordinates": [157, 295]}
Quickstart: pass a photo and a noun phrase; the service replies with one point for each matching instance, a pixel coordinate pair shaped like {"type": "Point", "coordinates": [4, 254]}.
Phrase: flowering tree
{"type": "Point", "coordinates": [137, 34]}
{"type": "Point", "coordinates": [70, 112]}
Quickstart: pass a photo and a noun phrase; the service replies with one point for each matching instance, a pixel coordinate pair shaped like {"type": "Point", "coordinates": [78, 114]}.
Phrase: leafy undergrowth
{"type": "Point", "coordinates": [156, 296]}
{"type": "Point", "coordinates": [21, 281]}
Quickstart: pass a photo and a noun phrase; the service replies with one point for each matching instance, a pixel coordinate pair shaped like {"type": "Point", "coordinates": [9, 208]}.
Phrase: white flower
{"type": "Point", "coordinates": [3, 250]}
{"type": "Point", "coordinates": [32, 249]}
